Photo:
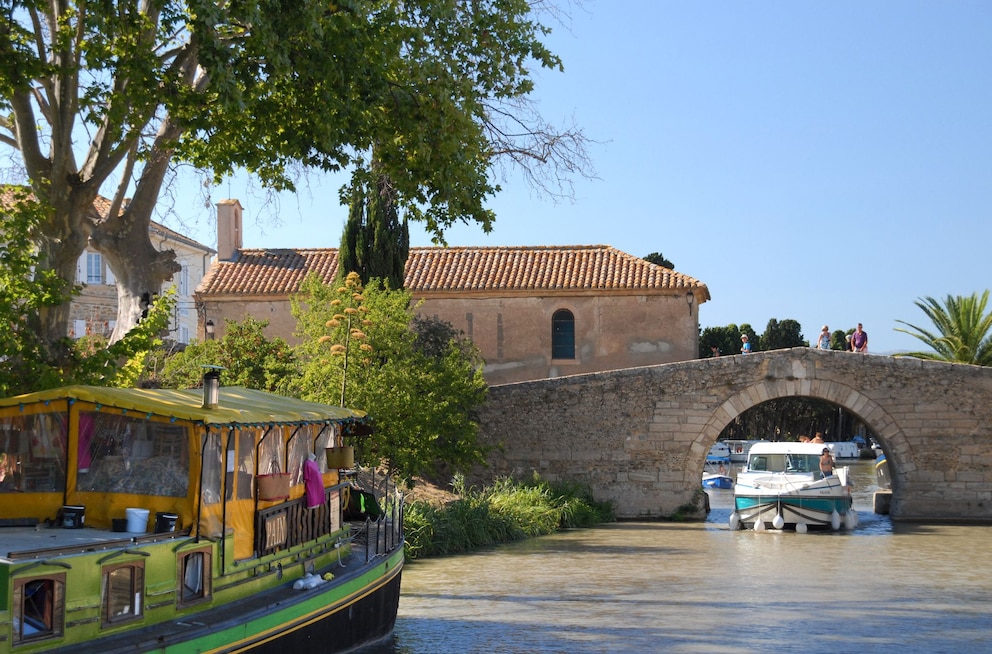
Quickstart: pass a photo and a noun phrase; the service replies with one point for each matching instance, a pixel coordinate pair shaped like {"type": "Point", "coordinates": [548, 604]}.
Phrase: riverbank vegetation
{"type": "Point", "coordinates": [504, 512]}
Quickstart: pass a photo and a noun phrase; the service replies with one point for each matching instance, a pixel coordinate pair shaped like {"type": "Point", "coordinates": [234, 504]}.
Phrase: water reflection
{"type": "Point", "coordinates": [699, 587]}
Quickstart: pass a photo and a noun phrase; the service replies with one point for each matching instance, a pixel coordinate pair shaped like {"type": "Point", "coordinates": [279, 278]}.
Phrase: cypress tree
{"type": "Point", "coordinates": [375, 243]}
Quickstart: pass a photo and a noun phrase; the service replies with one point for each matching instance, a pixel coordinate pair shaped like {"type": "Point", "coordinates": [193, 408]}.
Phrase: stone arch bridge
{"type": "Point", "coordinates": [639, 436]}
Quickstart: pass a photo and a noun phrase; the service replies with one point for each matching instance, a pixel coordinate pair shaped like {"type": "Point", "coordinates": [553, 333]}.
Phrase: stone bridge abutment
{"type": "Point", "coordinates": [638, 436]}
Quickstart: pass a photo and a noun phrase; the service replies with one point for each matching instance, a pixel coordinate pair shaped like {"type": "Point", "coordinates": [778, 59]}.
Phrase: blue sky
{"type": "Point", "coordinates": [825, 162]}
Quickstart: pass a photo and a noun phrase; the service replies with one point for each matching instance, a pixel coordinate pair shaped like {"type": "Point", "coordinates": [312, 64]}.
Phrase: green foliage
{"type": "Point", "coordinates": [838, 339]}
{"type": "Point", "coordinates": [375, 242]}
{"type": "Point", "coordinates": [28, 290]}
{"type": "Point", "coordinates": [691, 508]}
{"type": "Point", "coordinates": [727, 339]}
{"type": "Point", "coordinates": [359, 350]}
{"type": "Point", "coordinates": [429, 95]}
{"type": "Point", "coordinates": [781, 335]}
{"type": "Point", "coordinates": [248, 358]}
{"type": "Point", "coordinates": [786, 418]}
{"type": "Point", "coordinates": [963, 330]}
{"type": "Point", "coordinates": [659, 259]}
{"type": "Point", "coordinates": [504, 512]}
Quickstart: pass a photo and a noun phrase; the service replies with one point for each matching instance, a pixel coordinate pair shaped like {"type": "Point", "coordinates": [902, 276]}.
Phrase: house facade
{"type": "Point", "coordinates": [94, 310]}
{"type": "Point", "coordinates": [533, 312]}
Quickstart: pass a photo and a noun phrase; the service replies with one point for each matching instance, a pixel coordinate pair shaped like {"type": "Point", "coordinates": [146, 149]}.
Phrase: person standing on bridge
{"type": "Point", "coordinates": [745, 344]}
{"type": "Point", "coordinates": [859, 340]}
{"type": "Point", "coordinates": [823, 342]}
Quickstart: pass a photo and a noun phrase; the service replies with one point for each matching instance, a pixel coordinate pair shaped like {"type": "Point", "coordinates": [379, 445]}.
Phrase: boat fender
{"type": "Point", "coordinates": [801, 527]}
{"type": "Point", "coordinates": [851, 519]}
{"type": "Point", "coordinates": [778, 522]}
{"type": "Point", "coordinates": [735, 521]}
{"type": "Point", "coordinates": [759, 525]}
{"type": "Point", "coordinates": [835, 520]}
{"type": "Point", "coordinates": [308, 581]}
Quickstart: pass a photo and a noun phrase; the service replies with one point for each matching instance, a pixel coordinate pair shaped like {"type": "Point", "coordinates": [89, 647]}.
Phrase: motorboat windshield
{"type": "Point", "coordinates": [798, 463]}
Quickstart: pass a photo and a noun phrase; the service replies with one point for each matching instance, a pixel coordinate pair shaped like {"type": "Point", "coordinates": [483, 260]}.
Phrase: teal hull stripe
{"type": "Point", "coordinates": [819, 504]}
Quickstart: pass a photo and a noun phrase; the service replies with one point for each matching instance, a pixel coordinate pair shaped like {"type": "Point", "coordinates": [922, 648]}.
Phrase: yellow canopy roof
{"type": "Point", "coordinates": [237, 405]}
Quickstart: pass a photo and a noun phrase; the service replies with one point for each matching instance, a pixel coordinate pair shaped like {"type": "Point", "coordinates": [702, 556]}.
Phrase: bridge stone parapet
{"type": "Point", "coordinates": [638, 436]}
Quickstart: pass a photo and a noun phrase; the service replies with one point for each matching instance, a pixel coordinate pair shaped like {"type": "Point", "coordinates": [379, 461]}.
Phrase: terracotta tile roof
{"type": "Point", "coordinates": [436, 270]}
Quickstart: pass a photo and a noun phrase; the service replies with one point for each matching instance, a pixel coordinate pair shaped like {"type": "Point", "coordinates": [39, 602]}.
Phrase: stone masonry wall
{"type": "Point", "coordinates": [638, 437]}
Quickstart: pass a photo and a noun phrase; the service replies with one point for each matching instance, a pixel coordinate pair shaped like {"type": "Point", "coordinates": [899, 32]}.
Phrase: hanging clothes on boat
{"type": "Point", "coordinates": [313, 484]}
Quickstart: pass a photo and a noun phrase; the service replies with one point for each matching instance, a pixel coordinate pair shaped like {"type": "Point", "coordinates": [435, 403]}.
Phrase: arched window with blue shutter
{"type": "Point", "coordinates": [562, 335]}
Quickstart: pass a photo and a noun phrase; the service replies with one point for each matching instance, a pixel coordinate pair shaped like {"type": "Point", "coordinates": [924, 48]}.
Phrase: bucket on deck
{"type": "Point", "coordinates": [73, 517]}
{"type": "Point", "coordinates": [137, 520]}
{"type": "Point", "coordinates": [165, 522]}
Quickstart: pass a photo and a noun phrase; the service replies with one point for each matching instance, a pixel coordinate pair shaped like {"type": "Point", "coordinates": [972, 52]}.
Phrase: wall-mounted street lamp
{"type": "Point", "coordinates": [209, 328]}
{"type": "Point", "coordinates": [689, 299]}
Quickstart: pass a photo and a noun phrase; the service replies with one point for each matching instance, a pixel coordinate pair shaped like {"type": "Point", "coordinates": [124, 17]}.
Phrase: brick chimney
{"type": "Point", "coordinates": [228, 229]}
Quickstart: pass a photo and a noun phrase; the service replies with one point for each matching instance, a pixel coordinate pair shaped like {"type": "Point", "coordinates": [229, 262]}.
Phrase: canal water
{"type": "Point", "coordinates": [699, 587]}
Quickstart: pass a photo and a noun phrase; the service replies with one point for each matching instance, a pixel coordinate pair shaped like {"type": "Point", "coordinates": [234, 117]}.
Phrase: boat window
{"type": "Point", "coordinates": [32, 453]}
{"type": "Point", "coordinates": [769, 462]}
{"type": "Point", "coordinates": [194, 572]}
{"type": "Point", "coordinates": [123, 588]}
{"type": "Point", "coordinates": [132, 454]}
{"type": "Point", "coordinates": [272, 453]}
{"type": "Point", "coordinates": [802, 463]}
{"type": "Point", "coordinates": [212, 462]}
{"type": "Point", "coordinates": [299, 449]}
{"type": "Point", "coordinates": [241, 464]}
{"type": "Point", "coordinates": [38, 608]}
{"type": "Point", "coordinates": [326, 439]}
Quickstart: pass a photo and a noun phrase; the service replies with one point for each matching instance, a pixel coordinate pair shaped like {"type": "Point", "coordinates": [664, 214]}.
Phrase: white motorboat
{"type": "Point", "coordinates": [716, 470]}
{"type": "Point", "coordinates": [844, 449]}
{"type": "Point", "coordinates": [782, 487]}
{"type": "Point", "coordinates": [740, 448]}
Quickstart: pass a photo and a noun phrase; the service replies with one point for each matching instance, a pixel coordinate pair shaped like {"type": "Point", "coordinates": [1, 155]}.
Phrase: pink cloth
{"type": "Point", "coordinates": [313, 484]}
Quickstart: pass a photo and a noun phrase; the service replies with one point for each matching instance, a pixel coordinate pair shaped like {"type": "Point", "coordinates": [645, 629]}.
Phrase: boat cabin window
{"type": "Point", "coordinates": [194, 572]}
{"type": "Point", "coordinates": [327, 438]}
{"type": "Point", "coordinates": [241, 464]}
{"type": "Point", "coordinates": [132, 454]}
{"type": "Point", "coordinates": [38, 608]}
{"type": "Point", "coordinates": [32, 453]}
{"type": "Point", "coordinates": [272, 453]}
{"type": "Point", "coordinates": [784, 462]}
{"type": "Point", "coordinates": [299, 450]}
{"type": "Point", "coordinates": [123, 588]}
{"type": "Point", "coordinates": [212, 467]}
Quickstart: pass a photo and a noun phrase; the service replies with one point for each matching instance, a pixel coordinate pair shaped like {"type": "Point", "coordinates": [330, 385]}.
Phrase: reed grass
{"type": "Point", "coordinates": [506, 511]}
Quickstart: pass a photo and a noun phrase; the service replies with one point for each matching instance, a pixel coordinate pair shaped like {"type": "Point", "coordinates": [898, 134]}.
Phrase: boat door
{"type": "Point", "coordinates": [239, 493]}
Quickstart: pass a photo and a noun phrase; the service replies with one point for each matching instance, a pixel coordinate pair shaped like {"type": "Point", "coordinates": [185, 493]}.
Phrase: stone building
{"type": "Point", "coordinates": [534, 312]}
{"type": "Point", "coordinates": [94, 310]}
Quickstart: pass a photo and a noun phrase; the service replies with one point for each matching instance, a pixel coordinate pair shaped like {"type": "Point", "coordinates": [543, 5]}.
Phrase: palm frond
{"type": "Point", "coordinates": [963, 329]}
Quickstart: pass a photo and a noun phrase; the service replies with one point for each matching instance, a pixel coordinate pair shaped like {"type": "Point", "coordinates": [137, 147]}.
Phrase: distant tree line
{"type": "Point", "coordinates": [727, 340]}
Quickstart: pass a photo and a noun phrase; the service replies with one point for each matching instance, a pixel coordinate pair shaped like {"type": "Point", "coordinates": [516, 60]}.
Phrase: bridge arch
{"type": "Point", "coordinates": [638, 437]}
{"type": "Point", "coordinates": [839, 393]}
